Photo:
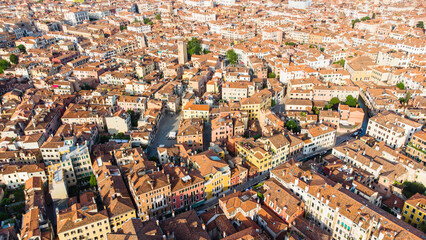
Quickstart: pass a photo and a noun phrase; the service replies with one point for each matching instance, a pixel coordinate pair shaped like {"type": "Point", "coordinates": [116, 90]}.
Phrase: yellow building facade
{"type": "Point", "coordinates": [215, 171]}
{"type": "Point", "coordinates": [117, 221]}
{"type": "Point", "coordinates": [414, 211]}
{"type": "Point", "coordinates": [255, 154]}
{"type": "Point", "coordinates": [253, 104]}
{"type": "Point", "coordinates": [217, 182]}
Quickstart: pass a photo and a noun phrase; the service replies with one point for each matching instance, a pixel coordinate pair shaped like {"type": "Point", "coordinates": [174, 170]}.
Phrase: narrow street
{"type": "Point", "coordinates": [207, 135]}
{"type": "Point", "coordinates": [366, 116]}
{"type": "Point", "coordinates": [279, 108]}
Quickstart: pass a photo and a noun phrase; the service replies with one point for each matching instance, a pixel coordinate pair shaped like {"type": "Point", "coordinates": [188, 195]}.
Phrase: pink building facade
{"type": "Point", "coordinates": [222, 129]}
{"type": "Point", "coordinates": [187, 188]}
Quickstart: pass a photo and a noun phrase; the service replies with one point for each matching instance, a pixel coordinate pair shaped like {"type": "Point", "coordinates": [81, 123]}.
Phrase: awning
{"type": "Point", "coordinates": [198, 204]}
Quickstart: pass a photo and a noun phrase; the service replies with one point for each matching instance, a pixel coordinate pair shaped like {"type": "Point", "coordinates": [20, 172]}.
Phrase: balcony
{"type": "Point", "coordinates": [410, 144]}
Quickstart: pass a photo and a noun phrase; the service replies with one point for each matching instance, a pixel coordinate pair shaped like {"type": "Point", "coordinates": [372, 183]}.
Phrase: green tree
{"type": "Point", "coordinates": [3, 216]}
{"type": "Point", "coordinates": [22, 48]}
{"type": "Point", "coordinates": [290, 43]}
{"type": "Point", "coordinates": [122, 27]}
{"type": "Point", "coordinates": [334, 101]}
{"type": "Point", "coordinates": [231, 56]}
{"type": "Point", "coordinates": [130, 112]}
{"type": "Point", "coordinates": [420, 24]}
{"type": "Point", "coordinates": [134, 117]}
{"type": "Point", "coordinates": [13, 58]}
{"type": "Point", "coordinates": [374, 16]}
{"type": "Point", "coordinates": [297, 130]}
{"type": "Point", "coordinates": [322, 49]}
{"type": "Point", "coordinates": [158, 17]}
{"type": "Point", "coordinates": [205, 51]}
{"type": "Point", "coordinates": [315, 110]}
{"type": "Point", "coordinates": [351, 101]}
{"type": "Point", "coordinates": [194, 47]}
{"type": "Point", "coordinates": [273, 103]}
{"type": "Point", "coordinates": [103, 139]}
{"type": "Point", "coordinates": [4, 65]}
{"type": "Point", "coordinates": [290, 124]}
{"type": "Point", "coordinates": [272, 75]}
{"type": "Point", "coordinates": [257, 136]}
{"type": "Point", "coordinates": [400, 85]}
{"type": "Point", "coordinates": [293, 126]}
{"type": "Point", "coordinates": [407, 97]}
{"type": "Point", "coordinates": [333, 104]}
{"type": "Point", "coordinates": [147, 21]}
{"type": "Point", "coordinates": [411, 188]}
{"type": "Point", "coordinates": [5, 201]}
{"type": "Point", "coordinates": [365, 18]}
{"type": "Point", "coordinates": [353, 22]}
{"type": "Point", "coordinates": [341, 62]}
{"type": "Point", "coordinates": [93, 182]}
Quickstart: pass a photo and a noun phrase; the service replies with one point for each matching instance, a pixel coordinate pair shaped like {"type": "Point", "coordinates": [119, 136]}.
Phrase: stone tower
{"type": "Point", "coordinates": [182, 52]}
